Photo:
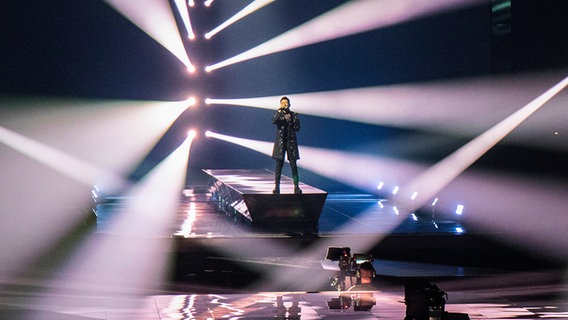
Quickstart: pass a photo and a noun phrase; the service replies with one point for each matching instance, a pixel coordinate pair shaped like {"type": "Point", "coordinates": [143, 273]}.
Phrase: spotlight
{"type": "Point", "coordinates": [191, 101]}
{"type": "Point", "coordinates": [459, 209]}
{"type": "Point", "coordinates": [208, 133]}
{"type": "Point", "coordinates": [191, 3]}
{"type": "Point", "coordinates": [191, 134]}
{"type": "Point", "coordinates": [395, 190]}
{"type": "Point", "coordinates": [208, 3]}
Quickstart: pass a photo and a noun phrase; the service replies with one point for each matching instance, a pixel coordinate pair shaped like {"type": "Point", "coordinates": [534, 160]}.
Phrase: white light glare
{"type": "Point", "coordinates": [259, 146]}
{"type": "Point", "coordinates": [414, 195]}
{"type": "Point", "coordinates": [252, 7]}
{"type": "Point", "coordinates": [434, 202]}
{"type": "Point", "coordinates": [191, 134]}
{"type": "Point", "coordinates": [184, 13]}
{"type": "Point", "coordinates": [191, 101]}
{"type": "Point", "coordinates": [414, 217]}
{"type": "Point", "coordinates": [208, 3]}
{"type": "Point", "coordinates": [483, 102]}
{"type": "Point", "coordinates": [459, 209]}
{"type": "Point", "coordinates": [459, 230]}
{"type": "Point", "coordinates": [381, 185]}
{"type": "Point", "coordinates": [442, 173]}
{"type": "Point", "coordinates": [191, 3]}
{"type": "Point", "coordinates": [395, 190]}
{"type": "Point", "coordinates": [157, 20]}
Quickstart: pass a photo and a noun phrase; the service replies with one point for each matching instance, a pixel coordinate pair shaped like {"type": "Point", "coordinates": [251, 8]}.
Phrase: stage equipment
{"type": "Point", "coordinates": [424, 301]}
{"type": "Point", "coordinates": [348, 266]}
{"type": "Point", "coordinates": [246, 196]}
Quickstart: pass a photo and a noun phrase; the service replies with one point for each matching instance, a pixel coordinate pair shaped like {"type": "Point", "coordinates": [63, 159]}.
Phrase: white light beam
{"type": "Point", "coordinates": [252, 7]}
{"type": "Point", "coordinates": [184, 13]}
{"type": "Point", "coordinates": [348, 19]}
{"type": "Point", "coordinates": [156, 18]}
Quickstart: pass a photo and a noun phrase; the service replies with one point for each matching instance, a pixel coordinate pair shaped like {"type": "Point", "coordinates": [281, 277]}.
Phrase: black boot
{"type": "Point", "coordinates": [295, 177]}
{"type": "Point", "coordinates": [277, 175]}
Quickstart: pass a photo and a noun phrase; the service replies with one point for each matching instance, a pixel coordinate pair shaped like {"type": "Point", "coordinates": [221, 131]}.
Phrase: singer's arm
{"type": "Point", "coordinates": [278, 117]}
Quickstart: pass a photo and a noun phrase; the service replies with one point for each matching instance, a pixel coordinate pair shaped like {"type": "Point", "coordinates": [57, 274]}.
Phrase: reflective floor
{"type": "Point", "coordinates": [225, 269]}
{"type": "Point", "coordinates": [502, 300]}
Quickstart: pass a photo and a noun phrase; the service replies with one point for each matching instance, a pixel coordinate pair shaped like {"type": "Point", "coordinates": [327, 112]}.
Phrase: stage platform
{"type": "Point", "coordinates": [221, 268]}
{"type": "Point", "coordinates": [246, 195]}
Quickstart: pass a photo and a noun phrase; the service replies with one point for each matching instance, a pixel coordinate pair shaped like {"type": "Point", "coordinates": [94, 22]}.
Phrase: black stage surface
{"type": "Point", "coordinates": [227, 268]}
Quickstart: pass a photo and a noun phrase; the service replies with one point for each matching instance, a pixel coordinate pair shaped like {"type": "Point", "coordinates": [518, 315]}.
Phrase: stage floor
{"type": "Point", "coordinates": [504, 299]}
{"type": "Point", "coordinates": [223, 269]}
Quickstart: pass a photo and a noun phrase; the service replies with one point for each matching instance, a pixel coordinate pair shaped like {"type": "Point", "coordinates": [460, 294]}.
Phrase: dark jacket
{"type": "Point", "coordinates": [286, 135]}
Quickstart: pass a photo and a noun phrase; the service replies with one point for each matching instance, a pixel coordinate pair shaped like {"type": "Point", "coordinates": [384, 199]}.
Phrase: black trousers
{"type": "Point", "coordinates": [278, 171]}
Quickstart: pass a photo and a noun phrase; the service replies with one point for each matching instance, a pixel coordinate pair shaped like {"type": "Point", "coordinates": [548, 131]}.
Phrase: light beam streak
{"type": "Point", "coordinates": [460, 107]}
{"type": "Point", "coordinates": [354, 17]}
{"type": "Point", "coordinates": [259, 146]}
{"type": "Point", "coordinates": [252, 7]}
{"type": "Point", "coordinates": [155, 18]}
{"type": "Point", "coordinates": [184, 13]}
{"type": "Point", "coordinates": [129, 257]}
{"type": "Point", "coordinates": [438, 176]}
{"type": "Point", "coordinates": [46, 181]}
{"type": "Point", "coordinates": [77, 169]}
{"type": "Point", "coordinates": [433, 180]}
{"type": "Point", "coordinates": [111, 134]}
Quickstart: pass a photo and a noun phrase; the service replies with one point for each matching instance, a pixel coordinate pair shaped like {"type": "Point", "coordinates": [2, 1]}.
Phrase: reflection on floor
{"type": "Point", "coordinates": [528, 302]}
{"type": "Point", "coordinates": [210, 280]}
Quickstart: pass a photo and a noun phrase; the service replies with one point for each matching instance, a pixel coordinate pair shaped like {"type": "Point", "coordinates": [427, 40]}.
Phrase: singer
{"type": "Point", "coordinates": [287, 124]}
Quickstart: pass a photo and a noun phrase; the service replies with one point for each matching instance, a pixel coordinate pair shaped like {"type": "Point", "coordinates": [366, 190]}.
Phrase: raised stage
{"type": "Point", "coordinates": [247, 196]}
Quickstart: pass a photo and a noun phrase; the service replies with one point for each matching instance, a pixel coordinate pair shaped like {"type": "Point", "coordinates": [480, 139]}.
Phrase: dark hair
{"type": "Point", "coordinates": [285, 98]}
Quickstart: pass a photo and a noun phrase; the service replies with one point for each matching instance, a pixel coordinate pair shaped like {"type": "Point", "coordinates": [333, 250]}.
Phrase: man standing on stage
{"type": "Point", "coordinates": [287, 124]}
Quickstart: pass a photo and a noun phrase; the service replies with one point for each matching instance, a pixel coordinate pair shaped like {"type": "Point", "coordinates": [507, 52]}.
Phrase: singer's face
{"type": "Point", "coordinates": [284, 104]}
